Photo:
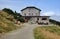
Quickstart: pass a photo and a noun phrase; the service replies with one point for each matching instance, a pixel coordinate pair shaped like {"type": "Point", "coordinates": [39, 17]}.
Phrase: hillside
{"type": "Point", "coordinates": [54, 22]}
{"type": "Point", "coordinates": [47, 32]}
{"type": "Point", "coordinates": [6, 22]}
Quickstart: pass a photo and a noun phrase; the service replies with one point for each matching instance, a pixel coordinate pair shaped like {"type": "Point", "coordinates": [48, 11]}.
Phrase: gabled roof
{"type": "Point", "coordinates": [31, 7]}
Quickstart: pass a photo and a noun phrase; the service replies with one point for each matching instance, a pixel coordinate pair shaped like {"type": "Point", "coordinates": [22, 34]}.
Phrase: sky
{"type": "Point", "coordinates": [49, 7]}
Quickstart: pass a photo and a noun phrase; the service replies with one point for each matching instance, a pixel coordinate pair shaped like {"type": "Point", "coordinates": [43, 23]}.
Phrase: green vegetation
{"type": "Point", "coordinates": [54, 22]}
{"type": "Point", "coordinates": [47, 32]}
{"type": "Point", "coordinates": [7, 21]}
{"type": "Point", "coordinates": [11, 12]}
{"type": "Point", "coordinates": [21, 20]}
{"type": "Point", "coordinates": [16, 15]}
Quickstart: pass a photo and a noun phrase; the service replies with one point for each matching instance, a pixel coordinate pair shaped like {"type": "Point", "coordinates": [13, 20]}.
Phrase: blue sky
{"type": "Point", "coordinates": [48, 7]}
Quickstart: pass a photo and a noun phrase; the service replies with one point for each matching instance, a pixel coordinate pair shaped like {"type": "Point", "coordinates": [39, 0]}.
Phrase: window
{"type": "Point", "coordinates": [29, 9]}
{"type": "Point", "coordinates": [29, 14]}
{"type": "Point", "coordinates": [32, 14]}
{"type": "Point", "coordinates": [25, 14]}
{"type": "Point", "coordinates": [37, 18]}
{"type": "Point", "coordinates": [44, 18]}
{"type": "Point", "coordinates": [36, 14]}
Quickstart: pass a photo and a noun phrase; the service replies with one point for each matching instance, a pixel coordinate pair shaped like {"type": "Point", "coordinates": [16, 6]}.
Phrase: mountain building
{"type": "Point", "coordinates": [32, 14]}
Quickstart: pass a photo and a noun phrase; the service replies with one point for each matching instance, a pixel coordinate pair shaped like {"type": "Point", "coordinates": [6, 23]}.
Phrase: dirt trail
{"type": "Point", "coordinates": [24, 33]}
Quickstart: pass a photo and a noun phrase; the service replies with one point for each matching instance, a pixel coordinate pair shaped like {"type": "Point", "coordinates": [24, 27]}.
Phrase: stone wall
{"type": "Point", "coordinates": [30, 12]}
{"type": "Point", "coordinates": [34, 19]}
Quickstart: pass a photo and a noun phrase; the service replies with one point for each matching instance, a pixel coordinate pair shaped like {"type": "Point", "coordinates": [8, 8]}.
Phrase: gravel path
{"type": "Point", "coordinates": [24, 33]}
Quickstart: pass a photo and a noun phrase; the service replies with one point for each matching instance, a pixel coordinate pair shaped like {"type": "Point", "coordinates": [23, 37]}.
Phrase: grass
{"type": "Point", "coordinates": [5, 24]}
{"type": "Point", "coordinates": [47, 32]}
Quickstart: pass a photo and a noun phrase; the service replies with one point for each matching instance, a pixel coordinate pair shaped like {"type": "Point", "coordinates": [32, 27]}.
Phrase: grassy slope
{"type": "Point", "coordinates": [5, 24]}
{"type": "Point", "coordinates": [47, 32]}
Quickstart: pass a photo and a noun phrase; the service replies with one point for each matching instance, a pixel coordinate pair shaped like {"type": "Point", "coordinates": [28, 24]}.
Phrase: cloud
{"type": "Point", "coordinates": [49, 13]}
{"type": "Point", "coordinates": [54, 15]}
{"type": "Point", "coordinates": [57, 14]}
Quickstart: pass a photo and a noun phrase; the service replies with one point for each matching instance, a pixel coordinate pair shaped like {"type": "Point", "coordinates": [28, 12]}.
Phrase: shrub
{"type": "Point", "coordinates": [54, 22]}
{"type": "Point", "coordinates": [2, 30]}
{"type": "Point", "coordinates": [9, 11]}
{"type": "Point", "coordinates": [21, 20]}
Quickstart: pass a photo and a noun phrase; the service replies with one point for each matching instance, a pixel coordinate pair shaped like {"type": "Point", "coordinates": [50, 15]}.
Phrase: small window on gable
{"type": "Point", "coordinates": [44, 18]}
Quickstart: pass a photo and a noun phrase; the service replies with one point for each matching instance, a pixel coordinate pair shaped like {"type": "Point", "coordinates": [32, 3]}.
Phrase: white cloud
{"type": "Point", "coordinates": [49, 13]}
{"type": "Point", "coordinates": [57, 14]}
